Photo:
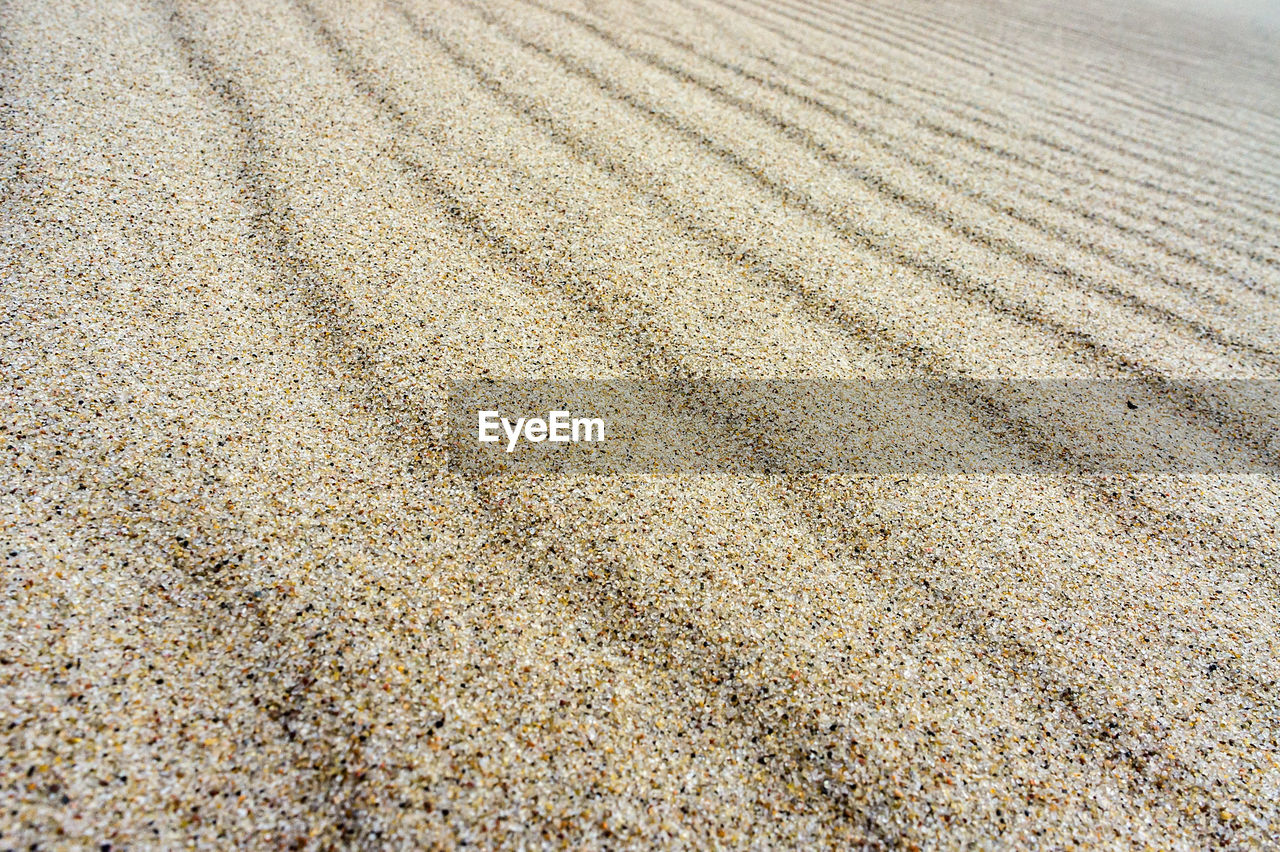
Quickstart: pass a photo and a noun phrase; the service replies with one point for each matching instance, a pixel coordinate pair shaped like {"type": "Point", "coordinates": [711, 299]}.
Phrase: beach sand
{"type": "Point", "coordinates": [248, 248]}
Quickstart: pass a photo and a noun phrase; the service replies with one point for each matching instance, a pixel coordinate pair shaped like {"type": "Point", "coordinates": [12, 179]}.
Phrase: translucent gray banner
{"type": "Point", "coordinates": [873, 427]}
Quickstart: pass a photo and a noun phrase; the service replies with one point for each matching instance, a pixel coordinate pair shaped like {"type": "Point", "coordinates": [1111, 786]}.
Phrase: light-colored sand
{"type": "Point", "coordinates": [248, 245]}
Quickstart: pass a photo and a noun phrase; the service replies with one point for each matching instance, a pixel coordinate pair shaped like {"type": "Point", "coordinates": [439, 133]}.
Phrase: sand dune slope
{"type": "Point", "coordinates": [249, 247]}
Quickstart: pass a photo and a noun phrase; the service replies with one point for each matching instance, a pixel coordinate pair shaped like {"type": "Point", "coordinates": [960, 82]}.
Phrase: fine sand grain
{"type": "Point", "coordinates": [247, 247]}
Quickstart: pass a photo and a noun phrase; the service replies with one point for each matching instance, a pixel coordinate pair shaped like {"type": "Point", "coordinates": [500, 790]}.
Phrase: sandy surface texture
{"type": "Point", "coordinates": [247, 248]}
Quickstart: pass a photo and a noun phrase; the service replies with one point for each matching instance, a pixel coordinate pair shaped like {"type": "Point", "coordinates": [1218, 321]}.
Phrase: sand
{"type": "Point", "coordinates": [249, 247]}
